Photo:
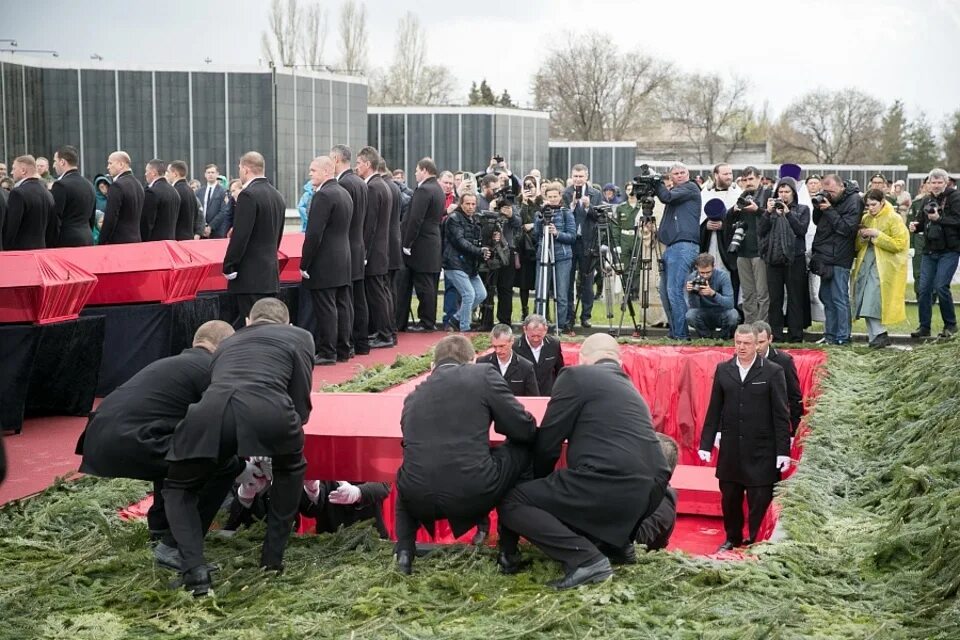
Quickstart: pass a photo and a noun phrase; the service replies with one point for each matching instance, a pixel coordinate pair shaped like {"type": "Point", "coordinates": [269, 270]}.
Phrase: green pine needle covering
{"type": "Point", "coordinates": [872, 551]}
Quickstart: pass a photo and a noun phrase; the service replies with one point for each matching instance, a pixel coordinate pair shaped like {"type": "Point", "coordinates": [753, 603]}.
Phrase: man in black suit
{"type": "Point", "coordinates": [376, 237]}
{"type": "Point", "coordinates": [30, 222]}
{"type": "Point", "coordinates": [336, 504]}
{"type": "Point", "coordinates": [74, 201]}
{"type": "Point", "coordinates": [449, 470]}
{"type": "Point", "coordinates": [542, 350]}
{"type": "Point", "coordinates": [189, 208]}
{"type": "Point", "coordinates": [121, 220]}
{"type": "Point", "coordinates": [616, 474]}
{"type": "Point", "coordinates": [785, 360]}
{"type": "Point", "coordinates": [250, 264]}
{"type": "Point", "coordinates": [325, 262]}
{"type": "Point", "coordinates": [748, 407]}
{"type": "Point", "coordinates": [420, 242]}
{"type": "Point", "coordinates": [357, 188]}
{"type": "Point", "coordinates": [256, 405]}
{"type": "Point", "coordinates": [395, 252]}
{"type": "Point", "coordinates": [128, 436]}
{"type": "Point", "coordinates": [215, 204]}
{"type": "Point", "coordinates": [515, 369]}
{"type": "Point", "coordinates": [161, 204]}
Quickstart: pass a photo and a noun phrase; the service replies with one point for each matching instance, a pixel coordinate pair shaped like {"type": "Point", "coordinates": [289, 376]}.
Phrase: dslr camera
{"type": "Point", "coordinates": [819, 198]}
{"type": "Point", "coordinates": [699, 282]}
{"type": "Point", "coordinates": [779, 205]}
{"type": "Point", "coordinates": [931, 207]}
{"type": "Point", "coordinates": [739, 233]}
{"type": "Point", "coordinates": [745, 200]}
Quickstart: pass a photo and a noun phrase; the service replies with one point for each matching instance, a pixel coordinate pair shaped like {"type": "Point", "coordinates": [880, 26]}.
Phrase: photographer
{"type": "Point", "coordinates": [558, 221]}
{"type": "Point", "coordinates": [715, 230]}
{"type": "Point", "coordinates": [745, 215]}
{"type": "Point", "coordinates": [510, 229]}
{"type": "Point", "coordinates": [783, 230]}
{"type": "Point", "coordinates": [680, 233]}
{"type": "Point", "coordinates": [461, 256]}
{"type": "Point", "coordinates": [629, 219]}
{"type": "Point", "coordinates": [526, 244]}
{"type": "Point", "coordinates": [500, 265]}
{"type": "Point", "coordinates": [581, 198]}
{"type": "Point", "coordinates": [939, 222]}
{"type": "Point", "coordinates": [837, 211]}
{"type": "Point", "coordinates": [710, 299]}
{"type": "Point", "coordinates": [488, 189]}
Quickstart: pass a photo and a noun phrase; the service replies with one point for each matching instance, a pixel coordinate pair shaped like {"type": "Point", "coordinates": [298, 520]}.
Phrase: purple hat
{"type": "Point", "coordinates": [790, 171]}
{"type": "Point", "coordinates": [715, 209]}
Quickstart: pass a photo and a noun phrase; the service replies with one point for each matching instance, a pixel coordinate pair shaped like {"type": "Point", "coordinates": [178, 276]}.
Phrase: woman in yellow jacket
{"type": "Point", "coordinates": [880, 271]}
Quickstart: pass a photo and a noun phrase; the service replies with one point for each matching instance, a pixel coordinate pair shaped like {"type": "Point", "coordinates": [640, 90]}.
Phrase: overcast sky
{"type": "Point", "coordinates": [907, 49]}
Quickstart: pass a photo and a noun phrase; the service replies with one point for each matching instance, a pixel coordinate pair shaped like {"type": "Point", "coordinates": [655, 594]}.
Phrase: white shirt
{"type": "Point", "coordinates": [154, 182]}
{"type": "Point", "coordinates": [534, 350]}
{"type": "Point", "coordinates": [745, 370]}
{"type": "Point", "coordinates": [504, 365]}
{"type": "Point", "coordinates": [207, 195]}
{"type": "Point", "coordinates": [367, 179]}
{"type": "Point", "coordinates": [340, 175]}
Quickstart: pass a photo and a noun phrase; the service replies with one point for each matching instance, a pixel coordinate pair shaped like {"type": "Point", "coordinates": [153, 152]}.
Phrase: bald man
{"type": "Point", "coordinates": [121, 220]}
{"type": "Point", "coordinates": [616, 473]}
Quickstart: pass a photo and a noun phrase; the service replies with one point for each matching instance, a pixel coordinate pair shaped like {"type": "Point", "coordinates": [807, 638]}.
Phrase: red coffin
{"type": "Point", "coordinates": [291, 247]}
{"type": "Point", "coordinates": [213, 251]}
{"type": "Point", "coordinates": [140, 272]}
{"type": "Point", "coordinates": [41, 287]}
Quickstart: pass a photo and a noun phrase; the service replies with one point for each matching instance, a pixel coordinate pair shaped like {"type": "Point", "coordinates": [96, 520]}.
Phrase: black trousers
{"type": "Point", "coordinates": [792, 278]}
{"type": "Point", "coordinates": [731, 501]}
{"type": "Point", "coordinates": [333, 312]}
{"type": "Point", "coordinates": [245, 302]}
{"type": "Point", "coordinates": [157, 514]}
{"type": "Point", "coordinates": [378, 304]}
{"type": "Point", "coordinates": [425, 284]}
{"type": "Point", "coordinates": [393, 282]}
{"type": "Point", "coordinates": [361, 319]}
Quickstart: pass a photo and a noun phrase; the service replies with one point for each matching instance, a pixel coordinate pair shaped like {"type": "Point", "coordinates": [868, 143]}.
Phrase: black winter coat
{"type": "Point", "coordinates": [834, 242]}
{"type": "Point", "coordinates": [794, 394]}
{"type": "Point", "coordinates": [326, 243]}
{"type": "Point", "coordinates": [30, 222]}
{"type": "Point", "coordinates": [161, 206]}
{"type": "Point", "coordinates": [187, 212]}
{"type": "Point", "coordinates": [358, 191]}
{"type": "Point", "coordinates": [944, 234]}
{"type": "Point", "coordinates": [74, 206]}
{"type": "Point", "coordinates": [257, 229]}
{"type": "Point", "coordinates": [395, 260]}
{"type": "Point", "coordinates": [462, 250]}
{"type": "Point", "coordinates": [798, 217]}
{"type": "Point", "coordinates": [420, 228]}
{"type": "Point", "coordinates": [376, 227]}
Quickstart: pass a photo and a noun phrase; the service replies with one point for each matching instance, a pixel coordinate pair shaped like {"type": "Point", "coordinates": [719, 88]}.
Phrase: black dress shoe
{"type": "Point", "coordinates": [727, 546]}
{"type": "Point", "coordinates": [381, 344]}
{"type": "Point", "coordinates": [626, 554]}
{"type": "Point", "coordinates": [510, 563]}
{"type": "Point", "coordinates": [882, 340]}
{"type": "Point", "coordinates": [405, 562]}
{"type": "Point", "coordinates": [419, 328]}
{"type": "Point", "coordinates": [586, 324]}
{"type": "Point", "coordinates": [324, 362]}
{"type": "Point", "coordinates": [272, 568]}
{"type": "Point", "coordinates": [167, 557]}
{"type": "Point", "coordinates": [595, 572]}
{"type": "Point", "coordinates": [948, 331]}
{"type": "Point", "coordinates": [747, 542]}
{"type": "Point", "coordinates": [920, 333]}
{"type": "Point", "coordinates": [197, 581]}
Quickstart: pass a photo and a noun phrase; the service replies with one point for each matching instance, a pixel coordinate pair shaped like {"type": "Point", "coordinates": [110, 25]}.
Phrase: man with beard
{"type": "Point", "coordinates": [751, 269]}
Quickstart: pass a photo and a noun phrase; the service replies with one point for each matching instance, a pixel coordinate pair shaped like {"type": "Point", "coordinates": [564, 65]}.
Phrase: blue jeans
{"type": "Point", "coordinates": [678, 260]}
{"type": "Point", "coordinates": [471, 290]}
{"type": "Point", "coordinates": [563, 291]}
{"type": "Point", "coordinates": [704, 321]}
{"type": "Point", "coordinates": [451, 302]}
{"type": "Point", "coordinates": [835, 296]}
{"type": "Point", "coordinates": [936, 273]}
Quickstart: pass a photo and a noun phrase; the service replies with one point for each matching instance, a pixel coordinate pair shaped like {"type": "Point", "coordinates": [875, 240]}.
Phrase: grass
{"type": "Point", "coordinates": [872, 550]}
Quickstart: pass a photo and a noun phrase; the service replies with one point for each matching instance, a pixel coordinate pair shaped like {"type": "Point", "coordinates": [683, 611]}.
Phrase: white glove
{"type": "Point", "coordinates": [346, 493]}
{"type": "Point", "coordinates": [230, 276]}
{"type": "Point", "coordinates": [704, 455]}
{"type": "Point", "coordinates": [791, 442]}
{"type": "Point", "coordinates": [783, 463]}
{"type": "Point", "coordinates": [265, 464]}
{"type": "Point", "coordinates": [407, 251]}
{"type": "Point", "coordinates": [249, 473]}
{"type": "Point", "coordinates": [716, 441]}
{"type": "Point", "coordinates": [312, 489]}
{"type": "Point", "coordinates": [248, 491]}
{"type": "Point", "coordinates": [304, 274]}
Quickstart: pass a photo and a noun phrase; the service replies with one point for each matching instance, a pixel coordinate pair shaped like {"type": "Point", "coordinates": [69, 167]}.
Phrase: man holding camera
{"type": "Point", "coordinates": [581, 199]}
{"type": "Point", "coordinates": [837, 212]}
{"type": "Point", "coordinates": [783, 231]}
{"type": "Point", "coordinates": [498, 270]}
{"type": "Point", "coordinates": [462, 253]}
{"type": "Point", "coordinates": [558, 221]}
{"type": "Point", "coordinates": [939, 222]}
{"type": "Point", "coordinates": [679, 231]}
{"type": "Point", "coordinates": [710, 299]}
{"type": "Point", "coordinates": [744, 217]}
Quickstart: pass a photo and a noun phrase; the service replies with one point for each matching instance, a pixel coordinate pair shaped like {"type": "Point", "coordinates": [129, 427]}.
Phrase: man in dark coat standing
{"type": "Point", "coordinates": [74, 200]}
{"type": "Point", "coordinates": [357, 188]}
{"type": "Point", "coordinates": [420, 244]}
{"type": "Point", "coordinates": [189, 207]}
{"type": "Point", "coordinates": [748, 408]}
{"type": "Point", "coordinates": [161, 204]}
{"type": "Point", "coordinates": [376, 230]}
{"type": "Point", "coordinates": [616, 474]}
{"type": "Point", "coordinates": [121, 220]}
{"type": "Point", "coordinates": [325, 262]}
{"type": "Point", "coordinates": [395, 251]}
{"type": "Point", "coordinates": [515, 369]}
{"type": "Point", "coordinates": [542, 350]}
{"type": "Point", "coordinates": [449, 470]}
{"type": "Point", "coordinates": [794, 393]}
{"type": "Point", "coordinates": [128, 436]}
{"type": "Point", "coordinates": [250, 264]}
{"type": "Point", "coordinates": [256, 405]}
{"type": "Point", "coordinates": [30, 222]}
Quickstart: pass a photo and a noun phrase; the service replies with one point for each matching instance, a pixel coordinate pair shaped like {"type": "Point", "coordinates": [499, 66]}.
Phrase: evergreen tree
{"type": "Point", "coordinates": [506, 100]}
{"type": "Point", "coordinates": [951, 142]}
{"type": "Point", "coordinates": [893, 135]}
{"type": "Point", "coordinates": [473, 98]}
{"type": "Point", "coordinates": [923, 154]}
{"type": "Point", "coordinates": [487, 96]}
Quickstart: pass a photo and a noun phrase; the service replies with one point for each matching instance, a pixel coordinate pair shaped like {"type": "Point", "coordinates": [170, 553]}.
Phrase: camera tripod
{"type": "Point", "coordinates": [546, 275]}
{"type": "Point", "coordinates": [641, 260]}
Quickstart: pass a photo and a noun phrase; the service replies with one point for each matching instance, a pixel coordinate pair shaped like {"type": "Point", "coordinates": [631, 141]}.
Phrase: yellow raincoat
{"type": "Point", "coordinates": [892, 252]}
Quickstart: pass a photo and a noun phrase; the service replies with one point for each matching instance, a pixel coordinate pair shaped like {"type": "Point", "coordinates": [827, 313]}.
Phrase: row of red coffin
{"type": "Point", "coordinates": [53, 285]}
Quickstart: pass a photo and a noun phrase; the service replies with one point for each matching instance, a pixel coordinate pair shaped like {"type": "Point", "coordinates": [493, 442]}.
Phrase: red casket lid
{"type": "Point", "coordinates": [41, 287]}
{"type": "Point", "coordinates": [291, 247]}
{"type": "Point", "coordinates": [213, 250]}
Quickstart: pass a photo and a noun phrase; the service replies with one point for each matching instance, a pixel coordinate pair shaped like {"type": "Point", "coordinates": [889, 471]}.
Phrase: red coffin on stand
{"type": "Point", "coordinates": [213, 250]}
{"type": "Point", "coordinates": [41, 287]}
{"type": "Point", "coordinates": [140, 272]}
{"type": "Point", "coordinates": [291, 248]}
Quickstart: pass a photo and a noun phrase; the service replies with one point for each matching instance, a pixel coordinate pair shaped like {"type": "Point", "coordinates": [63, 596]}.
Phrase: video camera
{"type": "Point", "coordinates": [819, 198]}
{"type": "Point", "coordinates": [645, 185]}
{"type": "Point", "coordinates": [490, 222]}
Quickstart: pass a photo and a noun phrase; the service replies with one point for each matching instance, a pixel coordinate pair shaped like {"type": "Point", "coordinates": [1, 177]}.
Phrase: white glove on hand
{"type": "Point", "coordinates": [783, 463]}
{"type": "Point", "coordinates": [407, 251]}
{"type": "Point", "coordinates": [304, 274]}
{"type": "Point", "coordinates": [704, 455]}
{"type": "Point", "coordinates": [246, 493]}
{"type": "Point", "coordinates": [249, 473]}
{"type": "Point", "coordinates": [312, 489]}
{"type": "Point", "coordinates": [716, 441]}
{"type": "Point", "coordinates": [346, 493]}
{"type": "Point", "coordinates": [265, 464]}
{"type": "Point", "coordinates": [230, 276]}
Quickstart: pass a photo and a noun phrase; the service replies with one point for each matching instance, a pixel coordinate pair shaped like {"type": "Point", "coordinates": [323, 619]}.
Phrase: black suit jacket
{"type": "Point", "coordinates": [420, 228]}
{"type": "Point", "coordinates": [357, 189]}
{"type": "Point", "coordinates": [395, 252]}
{"type": "Point", "coordinates": [187, 212]}
{"type": "Point", "coordinates": [121, 220]}
{"type": "Point", "coordinates": [213, 210]}
{"type": "Point", "coordinates": [794, 394]}
{"type": "Point", "coordinates": [161, 206]}
{"type": "Point", "coordinates": [30, 222]}
{"type": "Point", "coordinates": [520, 375]}
{"type": "Point", "coordinates": [326, 243]}
{"type": "Point", "coordinates": [753, 419]}
{"type": "Point", "coordinates": [549, 365]}
{"type": "Point", "coordinates": [129, 434]}
{"type": "Point", "coordinates": [330, 517]}
{"type": "Point", "coordinates": [376, 227]}
{"type": "Point", "coordinates": [74, 205]}
{"type": "Point", "coordinates": [257, 229]}
{"type": "Point", "coordinates": [3, 214]}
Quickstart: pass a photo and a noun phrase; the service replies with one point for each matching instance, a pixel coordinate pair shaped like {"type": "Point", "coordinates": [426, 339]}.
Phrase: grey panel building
{"type": "Point", "coordinates": [459, 138]}
{"type": "Point", "coordinates": [203, 115]}
{"type": "Point", "coordinates": [607, 161]}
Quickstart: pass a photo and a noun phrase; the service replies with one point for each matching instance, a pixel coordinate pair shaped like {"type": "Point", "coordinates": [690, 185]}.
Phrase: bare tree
{"type": "Point", "coordinates": [711, 113]}
{"type": "Point", "coordinates": [410, 80]}
{"type": "Point", "coordinates": [313, 35]}
{"type": "Point", "coordinates": [353, 38]}
{"type": "Point", "coordinates": [841, 127]}
{"type": "Point", "coordinates": [594, 92]}
{"type": "Point", "coordinates": [295, 33]}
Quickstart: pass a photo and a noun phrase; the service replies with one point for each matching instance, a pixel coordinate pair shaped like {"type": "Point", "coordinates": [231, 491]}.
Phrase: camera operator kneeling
{"type": "Point", "coordinates": [710, 299]}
